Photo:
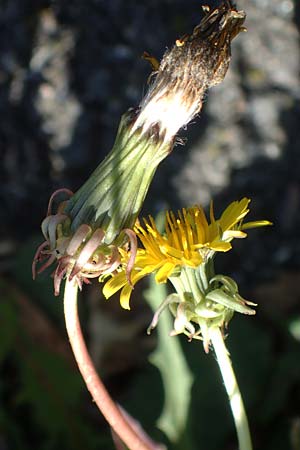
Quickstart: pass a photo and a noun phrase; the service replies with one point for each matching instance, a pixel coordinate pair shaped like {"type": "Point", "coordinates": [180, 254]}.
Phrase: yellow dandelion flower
{"type": "Point", "coordinates": [188, 241]}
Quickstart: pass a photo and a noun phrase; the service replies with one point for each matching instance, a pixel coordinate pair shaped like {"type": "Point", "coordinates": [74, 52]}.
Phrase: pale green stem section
{"type": "Point", "coordinates": [107, 406]}
{"type": "Point", "coordinates": [232, 388]}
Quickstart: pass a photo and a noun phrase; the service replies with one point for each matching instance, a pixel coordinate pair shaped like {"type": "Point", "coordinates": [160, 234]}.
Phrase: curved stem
{"type": "Point", "coordinates": [232, 388]}
{"type": "Point", "coordinates": [111, 412]}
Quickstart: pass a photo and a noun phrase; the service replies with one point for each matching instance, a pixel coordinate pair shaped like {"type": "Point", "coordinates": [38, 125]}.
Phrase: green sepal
{"type": "Point", "coordinates": [228, 283]}
{"type": "Point", "coordinates": [234, 302]}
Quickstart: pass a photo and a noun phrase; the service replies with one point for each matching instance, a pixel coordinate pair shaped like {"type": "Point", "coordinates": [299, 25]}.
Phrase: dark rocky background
{"type": "Point", "coordinates": [68, 70]}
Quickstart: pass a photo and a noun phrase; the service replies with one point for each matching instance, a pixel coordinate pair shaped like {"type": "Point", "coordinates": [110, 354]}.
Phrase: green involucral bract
{"type": "Point", "coordinates": [113, 195]}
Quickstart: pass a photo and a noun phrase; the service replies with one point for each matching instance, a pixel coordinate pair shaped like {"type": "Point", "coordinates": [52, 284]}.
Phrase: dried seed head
{"type": "Point", "coordinates": [195, 63]}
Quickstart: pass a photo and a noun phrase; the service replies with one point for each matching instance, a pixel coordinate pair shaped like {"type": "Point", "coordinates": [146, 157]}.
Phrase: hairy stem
{"type": "Point", "coordinates": [232, 388]}
{"type": "Point", "coordinates": [111, 412]}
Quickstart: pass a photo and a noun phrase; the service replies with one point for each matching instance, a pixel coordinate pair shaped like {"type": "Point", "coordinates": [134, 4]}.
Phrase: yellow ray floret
{"type": "Point", "coordinates": [188, 241]}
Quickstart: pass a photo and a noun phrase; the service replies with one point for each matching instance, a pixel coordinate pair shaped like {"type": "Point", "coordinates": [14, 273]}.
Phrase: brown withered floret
{"type": "Point", "coordinates": [200, 60]}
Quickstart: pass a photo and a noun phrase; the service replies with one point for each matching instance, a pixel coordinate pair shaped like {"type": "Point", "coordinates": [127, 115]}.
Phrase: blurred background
{"type": "Point", "coordinates": [68, 70]}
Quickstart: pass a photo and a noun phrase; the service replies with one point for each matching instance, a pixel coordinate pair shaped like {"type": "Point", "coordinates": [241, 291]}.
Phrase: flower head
{"type": "Point", "coordinates": [80, 255]}
{"type": "Point", "coordinates": [189, 241]}
{"type": "Point", "coordinates": [88, 232]}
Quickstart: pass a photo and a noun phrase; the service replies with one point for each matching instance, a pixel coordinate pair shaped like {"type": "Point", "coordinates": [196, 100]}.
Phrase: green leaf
{"type": "Point", "coordinates": [176, 375]}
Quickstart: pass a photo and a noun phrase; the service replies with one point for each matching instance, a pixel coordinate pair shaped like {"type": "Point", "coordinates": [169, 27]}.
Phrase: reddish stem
{"type": "Point", "coordinates": [107, 406]}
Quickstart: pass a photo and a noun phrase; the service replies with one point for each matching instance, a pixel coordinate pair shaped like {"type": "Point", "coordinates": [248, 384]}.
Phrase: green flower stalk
{"type": "Point", "coordinates": [85, 233]}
